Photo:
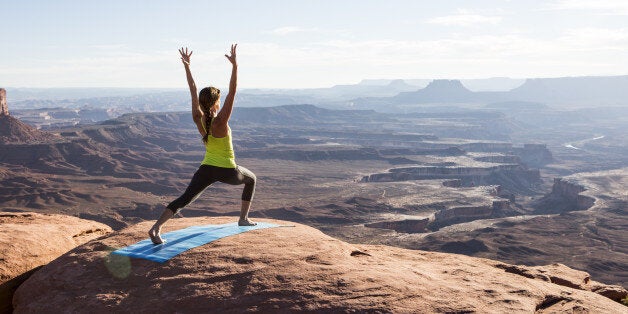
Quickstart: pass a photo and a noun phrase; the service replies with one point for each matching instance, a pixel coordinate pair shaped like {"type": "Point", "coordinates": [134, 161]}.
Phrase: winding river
{"type": "Point", "coordinates": [581, 143]}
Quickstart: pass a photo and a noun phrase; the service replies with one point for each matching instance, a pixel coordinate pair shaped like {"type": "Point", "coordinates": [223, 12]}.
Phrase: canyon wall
{"type": "Point", "coordinates": [513, 178]}
{"type": "Point", "coordinates": [455, 215]}
{"type": "Point", "coordinates": [450, 216]}
{"type": "Point", "coordinates": [565, 197]}
{"type": "Point", "coordinates": [407, 225]}
{"type": "Point", "coordinates": [500, 159]}
{"type": "Point", "coordinates": [571, 193]}
{"type": "Point", "coordinates": [534, 155]}
{"type": "Point", "coordinates": [487, 147]}
{"type": "Point", "coordinates": [424, 173]}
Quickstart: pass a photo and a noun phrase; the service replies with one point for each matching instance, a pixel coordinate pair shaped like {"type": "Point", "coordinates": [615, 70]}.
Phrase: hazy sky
{"type": "Point", "coordinates": [300, 43]}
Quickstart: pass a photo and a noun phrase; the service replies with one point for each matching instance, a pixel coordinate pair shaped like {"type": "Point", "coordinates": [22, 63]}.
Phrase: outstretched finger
{"type": "Point", "coordinates": [190, 53]}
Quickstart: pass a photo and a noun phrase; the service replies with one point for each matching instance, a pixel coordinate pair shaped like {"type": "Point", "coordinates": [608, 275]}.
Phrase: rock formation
{"type": "Point", "coordinates": [438, 91]}
{"type": "Point", "coordinates": [534, 155]}
{"type": "Point", "coordinates": [569, 90]}
{"type": "Point", "coordinates": [406, 225]}
{"type": "Point", "coordinates": [455, 215]}
{"type": "Point", "coordinates": [460, 214]}
{"type": "Point", "coordinates": [565, 197]}
{"type": "Point", "coordinates": [562, 90]}
{"type": "Point", "coordinates": [30, 240]}
{"type": "Point", "coordinates": [4, 109]}
{"type": "Point", "coordinates": [512, 176]}
{"type": "Point", "coordinates": [293, 269]}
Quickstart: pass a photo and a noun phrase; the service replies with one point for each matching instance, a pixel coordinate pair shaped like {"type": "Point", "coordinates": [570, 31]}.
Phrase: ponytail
{"type": "Point", "coordinates": [207, 98]}
{"type": "Point", "coordinates": [208, 125]}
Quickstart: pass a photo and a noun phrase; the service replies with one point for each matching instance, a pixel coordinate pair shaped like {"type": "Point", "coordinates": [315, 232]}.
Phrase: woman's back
{"type": "Point", "coordinates": [219, 151]}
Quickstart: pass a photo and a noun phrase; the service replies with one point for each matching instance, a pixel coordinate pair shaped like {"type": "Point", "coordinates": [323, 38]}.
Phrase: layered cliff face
{"type": "Point", "coordinates": [300, 269]}
{"type": "Point", "coordinates": [449, 216]}
{"type": "Point", "coordinates": [406, 226]}
{"type": "Point", "coordinates": [565, 197]}
{"type": "Point", "coordinates": [498, 208]}
{"type": "Point", "coordinates": [511, 176]}
{"type": "Point", "coordinates": [534, 155]}
{"type": "Point", "coordinates": [461, 214]}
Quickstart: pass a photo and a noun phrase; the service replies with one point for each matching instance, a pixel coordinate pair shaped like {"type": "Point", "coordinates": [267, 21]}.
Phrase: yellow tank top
{"type": "Point", "coordinates": [219, 151]}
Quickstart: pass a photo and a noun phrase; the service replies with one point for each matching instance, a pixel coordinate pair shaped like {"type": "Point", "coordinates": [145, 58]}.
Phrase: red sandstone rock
{"type": "Point", "coordinates": [288, 269]}
{"type": "Point", "coordinates": [563, 275]}
{"type": "Point", "coordinates": [612, 292]}
{"type": "Point", "coordinates": [29, 240]}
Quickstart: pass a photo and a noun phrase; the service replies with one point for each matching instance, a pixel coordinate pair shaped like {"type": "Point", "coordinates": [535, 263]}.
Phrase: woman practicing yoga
{"type": "Point", "coordinates": [219, 162]}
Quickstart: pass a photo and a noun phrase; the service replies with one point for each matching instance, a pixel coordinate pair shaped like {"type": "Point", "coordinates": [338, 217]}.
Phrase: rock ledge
{"type": "Point", "coordinates": [293, 269]}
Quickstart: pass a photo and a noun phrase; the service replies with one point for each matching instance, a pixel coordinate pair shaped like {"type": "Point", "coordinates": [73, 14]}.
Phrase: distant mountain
{"type": "Point", "coordinates": [390, 89]}
{"type": "Point", "coordinates": [276, 97]}
{"type": "Point", "coordinates": [24, 93]}
{"type": "Point", "coordinates": [245, 99]}
{"type": "Point", "coordinates": [381, 95]}
{"type": "Point", "coordinates": [608, 90]}
{"type": "Point", "coordinates": [476, 85]}
{"type": "Point", "coordinates": [157, 100]}
{"type": "Point", "coordinates": [450, 91]}
{"type": "Point", "coordinates": [420, 83]}
{"type": "Point", "coordinates": [401, 85]}
{"type": "Point", "coordinates": [492, 84]}
{"type": "Point", "coordinates": [592, 91]}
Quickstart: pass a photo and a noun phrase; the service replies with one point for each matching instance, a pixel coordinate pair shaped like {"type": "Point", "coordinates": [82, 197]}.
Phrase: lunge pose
{"type": "Point", "coordinates": [219, 162]}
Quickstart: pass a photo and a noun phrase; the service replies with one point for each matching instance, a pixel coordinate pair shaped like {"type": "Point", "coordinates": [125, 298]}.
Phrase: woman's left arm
{"type": "Point", "coordinates": [197, 113]}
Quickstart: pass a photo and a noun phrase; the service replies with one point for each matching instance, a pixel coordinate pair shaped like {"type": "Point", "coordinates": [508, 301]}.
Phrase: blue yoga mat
{"type": "Point", "coordinates": [179, 241]}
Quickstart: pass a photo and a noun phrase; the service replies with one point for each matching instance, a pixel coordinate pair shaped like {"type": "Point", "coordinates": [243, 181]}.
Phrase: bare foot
{"type": "Point", "coordinates": [155, 237]}
{"type": "Point", "coordinates": [246, 222]}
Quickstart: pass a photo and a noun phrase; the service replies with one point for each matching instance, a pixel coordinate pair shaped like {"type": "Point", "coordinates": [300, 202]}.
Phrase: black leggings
{"type": "Point", "coordinates": [206, 175]}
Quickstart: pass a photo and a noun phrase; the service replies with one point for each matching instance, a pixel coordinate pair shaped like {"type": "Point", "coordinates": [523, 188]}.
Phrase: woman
{"type": "Point", "coordinates": [219, 162]}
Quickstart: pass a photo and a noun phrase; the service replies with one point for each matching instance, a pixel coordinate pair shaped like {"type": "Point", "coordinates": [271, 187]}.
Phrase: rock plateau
{"type": "Point", "coordinates": [298, 269]}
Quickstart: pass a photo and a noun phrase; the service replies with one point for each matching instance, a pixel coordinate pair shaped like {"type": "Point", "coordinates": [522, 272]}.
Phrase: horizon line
{"type": "Point", "coordinates": [317, 87]}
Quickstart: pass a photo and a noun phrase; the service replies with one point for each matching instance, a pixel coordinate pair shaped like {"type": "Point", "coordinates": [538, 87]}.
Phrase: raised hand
{"type": "Point", "coordinates": [185, 56]}
{"type": "Point", "coordinates": [232, 57]}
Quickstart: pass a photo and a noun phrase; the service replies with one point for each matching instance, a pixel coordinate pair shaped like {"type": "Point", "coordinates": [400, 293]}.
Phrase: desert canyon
{"type": "Point", "coordinates": [432, 199]}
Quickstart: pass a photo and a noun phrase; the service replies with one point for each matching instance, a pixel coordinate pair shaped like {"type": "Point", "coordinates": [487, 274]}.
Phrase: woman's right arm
{"type": "Point", "coordinates": [197, 113]}
{"type": "Point", "coordinates": [222, 119]}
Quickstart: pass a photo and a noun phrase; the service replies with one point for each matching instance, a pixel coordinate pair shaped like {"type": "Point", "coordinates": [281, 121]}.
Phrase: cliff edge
{"type": "Point", "coordinates": [298, 269]}
{"type": "Point", "coordinates": [30, 240]}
